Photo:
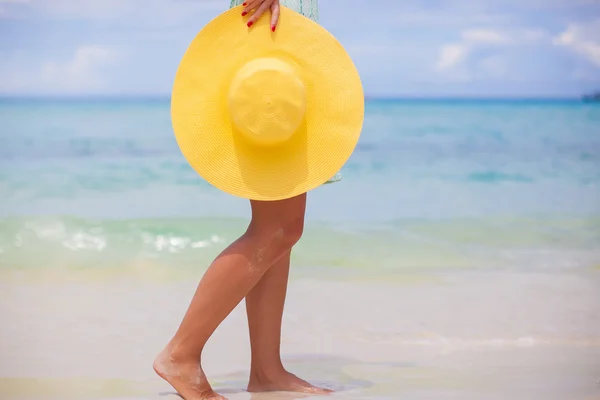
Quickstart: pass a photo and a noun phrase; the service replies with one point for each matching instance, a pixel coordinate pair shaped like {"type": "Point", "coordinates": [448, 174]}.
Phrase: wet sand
{"type": "Point", "coordinates": [459, 335]}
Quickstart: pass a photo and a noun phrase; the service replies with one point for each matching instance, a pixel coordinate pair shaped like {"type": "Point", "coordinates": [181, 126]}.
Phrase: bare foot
{"type": "Point", "coordinates": [187, 378]}
{"type": "Point", "coordinates": [283, 382]}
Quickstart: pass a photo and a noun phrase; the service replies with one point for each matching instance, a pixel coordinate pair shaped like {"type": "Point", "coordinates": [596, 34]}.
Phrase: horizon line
{"type": "Point", "coordinates": [367, 97]}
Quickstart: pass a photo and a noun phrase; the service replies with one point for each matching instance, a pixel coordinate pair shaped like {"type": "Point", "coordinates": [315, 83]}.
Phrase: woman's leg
{"type": "Point", "coordinates": [264, 306]}
{"type": "Point", "coordinates": [274, 229]}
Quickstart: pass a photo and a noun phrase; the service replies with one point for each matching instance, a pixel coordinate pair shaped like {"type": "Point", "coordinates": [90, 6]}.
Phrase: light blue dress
{"type": "Point", "coordinates": [310, 9]}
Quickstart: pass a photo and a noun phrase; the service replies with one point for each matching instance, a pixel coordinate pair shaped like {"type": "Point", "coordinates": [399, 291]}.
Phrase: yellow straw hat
{"type": "Point", "coordinates": [266, 115]}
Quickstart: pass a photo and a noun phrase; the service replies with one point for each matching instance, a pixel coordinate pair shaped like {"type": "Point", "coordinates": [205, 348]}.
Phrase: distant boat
{"type": "Point", "coordinates": [591, 97]}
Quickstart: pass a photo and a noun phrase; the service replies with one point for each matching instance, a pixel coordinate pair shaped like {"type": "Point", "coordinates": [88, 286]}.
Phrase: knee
{"type": "Point", "coordinates": [277, 226]}
{"type": "Point", "coordinates": [290, 232]}
{"type": "Point", "coordinates": [272, 241]}
{"type": "Point", "coordinates": [280, 235]}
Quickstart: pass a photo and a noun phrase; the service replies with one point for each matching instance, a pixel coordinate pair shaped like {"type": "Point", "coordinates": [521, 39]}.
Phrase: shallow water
{"type": "Point", "coordinates": [431, 184]}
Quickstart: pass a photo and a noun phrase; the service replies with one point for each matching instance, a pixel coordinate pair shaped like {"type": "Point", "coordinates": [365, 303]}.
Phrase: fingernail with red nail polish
{"type": "Point", "coordinates": [273, 28]}
{"type": "Point", "coordinates": [244, 14]}
{"type": "Point", "coordinates": [245, 4]}
{"type": "Point", "coordinates": [250, 24]}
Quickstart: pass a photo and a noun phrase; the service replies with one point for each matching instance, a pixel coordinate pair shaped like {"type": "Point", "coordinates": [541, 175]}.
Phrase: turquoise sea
{"type": "Point", "coordinates": [437, 184]}
{"type": "Point", "coordinates": [459, 258]}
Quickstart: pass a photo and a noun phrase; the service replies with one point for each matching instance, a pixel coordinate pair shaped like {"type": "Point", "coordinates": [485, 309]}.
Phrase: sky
{"type": "Point", "coordinates": [402, 48]}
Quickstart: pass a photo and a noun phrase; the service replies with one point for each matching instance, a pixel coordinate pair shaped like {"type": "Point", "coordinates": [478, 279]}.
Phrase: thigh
{"type": "Point", "coordinates": [280, 212]}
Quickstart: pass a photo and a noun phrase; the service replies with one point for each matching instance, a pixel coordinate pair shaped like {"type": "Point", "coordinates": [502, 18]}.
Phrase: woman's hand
{"type": "Point", "coordinates": [259, 7]}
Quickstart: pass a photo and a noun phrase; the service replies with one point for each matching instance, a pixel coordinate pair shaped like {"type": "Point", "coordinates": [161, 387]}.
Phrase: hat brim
{"type": "Point", "coordinates": [207, 137]}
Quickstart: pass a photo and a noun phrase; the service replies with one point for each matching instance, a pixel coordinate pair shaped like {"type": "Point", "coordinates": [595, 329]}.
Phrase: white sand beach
{"type": "Point", "coordinates": [459, 335]}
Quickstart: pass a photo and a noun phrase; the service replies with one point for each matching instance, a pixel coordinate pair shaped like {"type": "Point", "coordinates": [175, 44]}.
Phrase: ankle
{"type": "Point", "coordinates": [265, 373]}
{"type": "Point", "coordinates": [178, 355]}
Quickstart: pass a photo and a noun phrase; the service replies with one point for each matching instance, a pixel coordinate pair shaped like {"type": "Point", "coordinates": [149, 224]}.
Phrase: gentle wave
{"type": "Point", "coordinates": [37, 242]}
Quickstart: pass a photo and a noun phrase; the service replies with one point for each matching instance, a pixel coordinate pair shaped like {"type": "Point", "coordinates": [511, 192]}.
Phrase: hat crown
{"type": "Point", "coordinates": [267, 101]}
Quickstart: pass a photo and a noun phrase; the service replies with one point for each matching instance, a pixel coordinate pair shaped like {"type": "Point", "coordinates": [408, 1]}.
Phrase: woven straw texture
{"type": "Point", "coordinates": [203, 127]}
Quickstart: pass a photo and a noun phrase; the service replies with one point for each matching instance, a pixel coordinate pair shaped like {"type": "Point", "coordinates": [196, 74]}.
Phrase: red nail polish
{"type": "Point", "coordinates": [244, 14]}
{"type": "Point", "coordinates": [245, 4]}
{"type": "Point", "coordinates": [250, 24]}
{"type": "Point", "coordinates": [273, 28]}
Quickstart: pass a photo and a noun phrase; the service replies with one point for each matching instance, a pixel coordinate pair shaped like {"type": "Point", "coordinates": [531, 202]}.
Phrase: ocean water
{"type": "Point", "coordinates": [459, 258]}
{"type": "Point", "coordinates": [432, 185]}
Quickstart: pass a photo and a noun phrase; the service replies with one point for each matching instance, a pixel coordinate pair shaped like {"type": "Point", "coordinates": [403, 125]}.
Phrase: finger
{"type": "Point", "coordinates": [274, 15]}
{"type": "Point", "coordinates": [259, 12]}
{"type": "Point", "coordinates": [250, 5]}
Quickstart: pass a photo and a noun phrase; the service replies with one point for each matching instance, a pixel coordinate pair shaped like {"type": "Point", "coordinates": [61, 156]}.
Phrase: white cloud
{"type": "Point", "coordinates": [152, 11]}
{"type": "Point", "coordinates": [484, 36]}
{"type": "Point", "coordinates": [447, 18]}
{"type": "Point", "coordinates": [82, 8]}
{"type": "Point", "coordinates": [451, 55]}
{"type": "Point", "coordinates": [463, 13]}
{"type": "Point", "coordinates": [83, 73]}
{"type": "Point", "coordinates": [582, 39]}
{"type": "Point", "coordinates": [518, 5]}
{"type": "Point", "coordinates": [79, 73]}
